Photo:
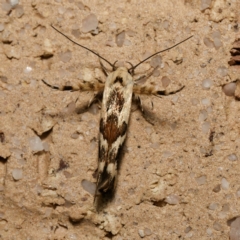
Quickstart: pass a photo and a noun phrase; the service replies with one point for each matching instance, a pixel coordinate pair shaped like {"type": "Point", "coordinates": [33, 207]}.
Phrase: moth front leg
{"type": "Point", "coordinates": [81, 86]}
{"type": "Point", "coordinates": [151, 90]}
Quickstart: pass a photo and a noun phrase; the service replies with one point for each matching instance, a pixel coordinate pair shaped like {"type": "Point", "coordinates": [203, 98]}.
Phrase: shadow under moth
{"type": "Point", "coordinates": [117, 94]}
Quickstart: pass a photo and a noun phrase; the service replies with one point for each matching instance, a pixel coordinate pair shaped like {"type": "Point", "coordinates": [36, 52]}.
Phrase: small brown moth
{"type": "Point", "coordinates": [118, 91]}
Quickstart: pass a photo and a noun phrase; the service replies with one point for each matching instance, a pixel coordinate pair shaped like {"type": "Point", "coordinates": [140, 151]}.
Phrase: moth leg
{"type": "Point", "coordinates": [151, 90]}
{"type": "Point", "coordinates": [81, 86]}
{"type": "Point", "coordinates": [137, 100]}
{"type": "Point", "coordinates": [96, 98]}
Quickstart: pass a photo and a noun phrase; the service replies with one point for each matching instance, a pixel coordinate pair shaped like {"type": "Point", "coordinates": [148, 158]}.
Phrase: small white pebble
{"type": "Point", "coordinates": [19, 11]}
{"type": "Point", "coordinates": [89, 23]}
{"type": "Point", "coordinates": [94, 109]}
{"type": "Point", "coordinates": [156, 61]}
{"type": "Point", "coordinates": [217, 226]}
{"type": "Point", "coordinates": [205, 127]}
{"type": "Point", "coordinates": [2, 27]}
{"type": "Point", "coordinates": [232, 157]}
{"type": "Point", "coordinates": [147, 232]}
{"type": "Point", "coordinates": [229, 89]}
{"type": "Point", "coordinates": [222, 71]}
{"type": "Point", "coordinates": [74, 136]}
{"type": "Point", "coordinates": [203, 115]}
{"type": "Point", "coordinates": [13, 2]}
{"type": "Point", "coordinates": [235, 229]}
{"type": "Point", "coordinates": [207, 83]}
{"type": "Point", "coordinates": [194, 101]}
{"type": "Point", "coordinates": [165, 81]}
{"type": "Point", "coordinates": [208, 42]}
{"type": "Point", "coordinates": [36, 144]}
{"type": "Point", "coordinates": [187, 229]}
{"type": "Point", "coordinates": [213, 206]}
{"type": "Point", "coordinates": [120, 39]}
{"type": "Point", "coordinates": [88, 186]}
{"type": "Point", "coordinates": [205, 4]}
{"type": "Point", "coordinates": [112, 26]}
{"type": "Point", "coordinates": [172, 199]}
{"type": "Point", "coordinates": [217, 43]}
{"type": "Point", "coordinates": [93, 145]}
{"type": "Point", "coordinates": [27, 69]}
{"type": "Point", "coordinates": [224, 184]}
{"type": "Point", "coordinates": [66, 56]}
{"type": "Point", "coordinates": [201, 180]}
{"type": "Point", "coordinates": [45, 146]}
{"type": "Point", "coordinates": [165, 24]}
{"type": "Point", "coordinates": [206, 101]}
{"type": "Point", "coordinates": [238, 192]}
{"type": "Point", "coordinates": [141, 233]}
{"type": "Point", "coordinates": [209, 231]}
{"type": "Point", "coordinates": [17, 174]}
{"type": "Point", "coordinates": [6, 6]}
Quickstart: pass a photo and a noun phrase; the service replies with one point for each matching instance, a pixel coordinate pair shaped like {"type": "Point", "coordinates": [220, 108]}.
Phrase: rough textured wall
{"type": "Point", "coordinates": [180, 174]}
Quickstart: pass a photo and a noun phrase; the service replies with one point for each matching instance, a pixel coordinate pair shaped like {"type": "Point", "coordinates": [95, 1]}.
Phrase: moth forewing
{"type": "Point", "coordinates": [116, 107]}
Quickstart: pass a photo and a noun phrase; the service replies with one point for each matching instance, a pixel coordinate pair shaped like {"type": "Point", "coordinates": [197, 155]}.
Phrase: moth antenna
{"type": "Point", "coordinates": [131, 70]}
{"type": "Point", "coordinates": [112, 65]}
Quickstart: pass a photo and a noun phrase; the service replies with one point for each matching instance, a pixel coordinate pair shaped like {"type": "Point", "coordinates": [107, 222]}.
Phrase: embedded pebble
{"type": "Point", "coordinates": [6, 6]}
{"type": "Point", "coordinates": [207, 83]}
{"type": "Point", "coordinates": [27, 69]}
{"type": "Point", "coordinates": [172, 199]}
{"type": "Point", "coordinates": [194, 101]}
{"type": "Point", "coordinates": [141, 233]}
{"type": "Point", "coordinates": [238, 192]}
{"type": "Point", "coordinates": [222, 71]}
{"type": "Point", "coordinates": [235, 229]}
{"type": "Point", "coordinates": [13, 2]}
{"type": "Point", "coordinates": [19, 11]}
{"type": "Point", "coordinates": [208, 42]}
{"type": "Point", "coordinates": [229, 89]}
{"type": "Point", "coordinates": [89, 23]}
{"type": "Point", "coordinates": [36, 144]}
{"type": "Point", "coordinates": [203, 115]}
{"type": "Point", "coordinates": [88, 186]}
{"type": "Point", "coordinates": [205, 127]}
{"type": "Point", "coordinates": [74, 136]}
{"type": "Point", "coordinates": [165, 24]}
{"type": "Point", "coordinates": [187, 229]}
{"type": "Point", "coordinates": [209, 231]}
{"type": "Point", "coordinates": [17, 174]}
{"type": "Point", "coordinates": [213, 206]}
{"type": "Point", "coordinates": [201, 180]}
{"type": "Point", "coordinates": [1, 27]}
{"type": "Point", "coordinates": [147, 232]}
{"type": "Point", "coordinates": [45, 146]}
{"type": "Point", "coordinates": [232, 157]}
{"type": "Point", "coordinates": [217, 43]}
{"type": "Point", "coordinates": [165, 81]}
{"type": "Point", "coordinates": [94, 109]}
{"type": "Point", "coordinates": [120, 39]}
{"type": "Point", "coordinates": [93, 145]}
{"type": "Point", "coordinates": [205, 4]}
{"type": "Point", "coordinates": [206, 101]}
{"type": "Point", "coordinates": [224, 184]}
{"type": "Point", "coordinates": [66, 56]}
{"type": "Point", "coordinates": [156, 61]}
{"type": "Point", "coordinates": [217, 226]}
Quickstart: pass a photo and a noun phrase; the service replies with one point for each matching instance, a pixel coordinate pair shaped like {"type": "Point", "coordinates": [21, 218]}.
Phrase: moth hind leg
{"type": "Point", "coordinates": [151, 90]}
{"type": "Point", "coordinates": [81, 86]}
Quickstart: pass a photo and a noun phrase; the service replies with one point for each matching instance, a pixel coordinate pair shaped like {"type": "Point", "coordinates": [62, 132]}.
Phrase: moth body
{"type": "Point", "coordinates": [116, 107]}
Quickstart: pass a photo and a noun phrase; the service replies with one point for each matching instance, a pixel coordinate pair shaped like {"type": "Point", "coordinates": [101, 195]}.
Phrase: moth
{"type": "Point", "coordinates": [117, 94]}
